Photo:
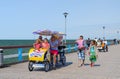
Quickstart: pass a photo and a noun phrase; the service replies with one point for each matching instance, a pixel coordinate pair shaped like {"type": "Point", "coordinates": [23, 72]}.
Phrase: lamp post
{"type": "Point", "coordinates": [103, 32]}
{"type": "Point", "coordinates": [65, 14]}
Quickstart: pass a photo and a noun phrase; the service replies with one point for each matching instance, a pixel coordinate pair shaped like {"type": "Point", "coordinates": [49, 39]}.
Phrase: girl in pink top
{"type": "Point", "coordinates": [80, 44]}
{"type": "Point", "coordinates": [81, 48]}
{"type": "Point", "coordinates": [37, 45]}
{"type": "Point", "coordinates": [45, 44]}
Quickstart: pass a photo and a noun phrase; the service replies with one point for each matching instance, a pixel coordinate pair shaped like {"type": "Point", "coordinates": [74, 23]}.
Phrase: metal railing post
{"type": "Point", "coordinates": [69, 48]}
{"type": "Point", "coordinates": [19, 54]}
{"type": "Point", "coordinates": [1, 57]}
{"type": "Point", "coordinates": [75, 47]}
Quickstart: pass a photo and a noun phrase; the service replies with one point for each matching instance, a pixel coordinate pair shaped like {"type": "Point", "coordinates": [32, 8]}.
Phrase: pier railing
{"type": "Point", "coordinates": [17, 54]}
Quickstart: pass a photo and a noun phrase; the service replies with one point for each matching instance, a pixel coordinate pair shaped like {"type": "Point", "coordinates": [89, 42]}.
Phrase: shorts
{"type": "Point", "coordinates": [81, 55]}
{"type": "Point", "coordinates": [54, 52]}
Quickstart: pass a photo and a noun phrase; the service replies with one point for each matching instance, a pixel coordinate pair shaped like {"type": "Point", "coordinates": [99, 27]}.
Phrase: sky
{"type": "Point", "coordinates": [19, 18]}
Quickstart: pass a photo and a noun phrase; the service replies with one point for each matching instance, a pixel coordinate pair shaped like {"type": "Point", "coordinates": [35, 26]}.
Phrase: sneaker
{"type": "Point", "coordinates": [81, 65]}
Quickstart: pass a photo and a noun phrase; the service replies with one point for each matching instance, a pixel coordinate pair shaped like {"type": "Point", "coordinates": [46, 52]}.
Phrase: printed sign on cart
{"type": "Point", "coordinates": [36, 54]}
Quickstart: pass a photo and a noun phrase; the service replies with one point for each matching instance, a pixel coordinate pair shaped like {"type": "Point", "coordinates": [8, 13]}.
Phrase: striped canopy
{"type": "Point", "coordinates": [47, 32]}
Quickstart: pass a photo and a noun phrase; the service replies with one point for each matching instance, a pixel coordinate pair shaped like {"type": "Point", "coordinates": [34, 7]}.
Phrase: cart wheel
{"type": "Point", "coordinates": [47, 66]}
{"type": "Point", "coordinates": [64, 60]}
{"type": "Point", "coordinates": [30, 66]}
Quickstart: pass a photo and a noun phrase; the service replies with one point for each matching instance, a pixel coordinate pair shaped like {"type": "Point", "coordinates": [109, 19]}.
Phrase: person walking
{"type": "Point", "coordinates": [93, 53]}
{"type": "Point", "coordinates": [81, 54]}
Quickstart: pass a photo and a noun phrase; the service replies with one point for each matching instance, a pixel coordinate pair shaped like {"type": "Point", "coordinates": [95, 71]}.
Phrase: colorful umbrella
{"type": "Point", "coordinates": [48, 32]}
{"type": "Point", "coordinates": [43, 32]}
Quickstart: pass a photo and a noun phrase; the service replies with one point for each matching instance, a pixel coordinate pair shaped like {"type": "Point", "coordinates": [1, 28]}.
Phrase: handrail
{"type": "Point", "coordinates": [12, 47]}
{"type": "Point", "coordinates": [23, 46]}
{"type": "Point", "coordinates": [26, 46]}
{"type": "Point", "coordinates": [69, 48]}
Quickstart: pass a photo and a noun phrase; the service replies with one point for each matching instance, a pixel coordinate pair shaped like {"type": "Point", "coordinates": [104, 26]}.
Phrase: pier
{"type": "Point", "coordinates": [106, 67]}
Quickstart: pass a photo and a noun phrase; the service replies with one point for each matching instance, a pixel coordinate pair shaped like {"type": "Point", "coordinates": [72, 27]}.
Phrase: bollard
{"type": "Point", "coordinates": [19, 54]}
{"type": "Point", "coordinates": [1, 57]}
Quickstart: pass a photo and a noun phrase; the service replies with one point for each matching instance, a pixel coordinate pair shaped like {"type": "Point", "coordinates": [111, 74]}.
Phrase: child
{"type": "Point", "coordinates": [37, 45]}
{"type": "Point", "coordinates": [81, 47]}
{"type": "Point", "coordinates": [45, 44]}
{"type": "Point", "coordinates": [93, 53]}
